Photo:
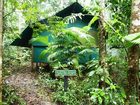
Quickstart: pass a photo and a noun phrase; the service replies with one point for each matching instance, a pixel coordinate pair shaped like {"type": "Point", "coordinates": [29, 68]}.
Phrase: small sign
{"type": "Point", "coordinates": [63, 73]}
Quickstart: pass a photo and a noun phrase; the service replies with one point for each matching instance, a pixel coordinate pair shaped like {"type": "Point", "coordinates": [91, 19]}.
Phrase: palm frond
{"type": "Point", "coordinates": [82, 37]}
{"type": "Point", "coordinates": [72, 17]}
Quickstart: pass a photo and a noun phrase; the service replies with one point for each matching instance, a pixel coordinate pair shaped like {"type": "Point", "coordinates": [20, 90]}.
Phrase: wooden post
{"type": "Point", "coordinates": [65, 74]}
{"type": "Point", "coordinates": [37, 66]}
{"type": "Point", "coordinates": [65, 83]}
{"type": "Point", "coordinates": [32, 64]}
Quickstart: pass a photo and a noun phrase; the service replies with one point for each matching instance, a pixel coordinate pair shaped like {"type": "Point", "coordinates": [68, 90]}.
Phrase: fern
{"type": "Point", "coordinates": [72, 18]}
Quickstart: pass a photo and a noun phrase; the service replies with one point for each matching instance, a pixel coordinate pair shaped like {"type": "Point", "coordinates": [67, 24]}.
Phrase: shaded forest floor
{"type": "Point", "coordinates": [27, 86]}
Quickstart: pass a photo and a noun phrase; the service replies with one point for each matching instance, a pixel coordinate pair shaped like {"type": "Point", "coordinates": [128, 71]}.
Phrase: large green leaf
{"type": "Point", "coordinates": [86, 51]}
{"type": "Point", "coordinates": [133, 38]}
{"type": "Point", "coordinates": [40, 39]}
{"type": "Point", "coordinates": [95, 18]}
{"type": "Point", "coordinates": [82, 36]}
{"type": "Point", "coordinates": [43, 54]}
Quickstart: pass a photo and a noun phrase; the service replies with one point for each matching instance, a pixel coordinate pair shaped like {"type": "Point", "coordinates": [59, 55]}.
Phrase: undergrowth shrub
{"type": "Point", "coordinates": [10, 96]}
{"type": "Point", "coordinates": [84, 91]}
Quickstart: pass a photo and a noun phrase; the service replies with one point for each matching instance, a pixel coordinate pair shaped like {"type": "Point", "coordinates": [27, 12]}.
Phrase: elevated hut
{"type": "Point", "coordinates": [38, 47]}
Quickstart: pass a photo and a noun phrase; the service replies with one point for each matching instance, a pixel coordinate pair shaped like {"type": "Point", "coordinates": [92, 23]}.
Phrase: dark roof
{"type": "Point", "coordinates": [73, 8]}
{"type": "Point", "coordinates": [26, 35]}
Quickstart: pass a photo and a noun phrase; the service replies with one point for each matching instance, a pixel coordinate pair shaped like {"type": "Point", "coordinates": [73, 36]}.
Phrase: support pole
{"type": "Point", "coordinates": [65, 83]}
{"type": "Point", "coordinates": [32, 64]}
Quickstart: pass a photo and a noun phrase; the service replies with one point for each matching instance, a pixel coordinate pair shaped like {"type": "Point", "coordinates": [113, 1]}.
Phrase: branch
{"type": "Point", "coordinates": [13, 10]}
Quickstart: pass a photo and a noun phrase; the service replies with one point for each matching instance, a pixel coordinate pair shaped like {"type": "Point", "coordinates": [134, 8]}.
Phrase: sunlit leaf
{"type": "Point", "coordinates": [41, 39]}
{"type": "Point", "coordinates": [133, 38]}
{"type": "Point", "coordinates": [95, 18]}
{"type": "Point", "coordinates": [82, 36]}
{"type": "Point", "coordinates": [43, 54]}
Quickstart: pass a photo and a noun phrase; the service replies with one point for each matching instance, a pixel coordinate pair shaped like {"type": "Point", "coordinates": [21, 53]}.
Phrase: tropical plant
{"type": "Point", "coordinates": [109, 94]}
{"type": "Point", "coordinates": [85, 90]}
{"type": "Point", "coordinates": [69, 45]}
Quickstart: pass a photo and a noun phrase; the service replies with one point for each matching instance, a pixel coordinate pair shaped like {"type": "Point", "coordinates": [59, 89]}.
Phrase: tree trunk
{"type": "Point", "coordinates": [133, 56]}
{"type": "Point", "coordinates": [102, 39]}
{"type": "Point", "coordinates": [104, 17]}
{"type": "Point", "coordinates": [102, 43]}
{"type": "Point", "coordinates": [1, 32]}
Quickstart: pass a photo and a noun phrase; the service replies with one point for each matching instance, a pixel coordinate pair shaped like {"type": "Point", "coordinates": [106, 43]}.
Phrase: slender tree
{"type": "Point", "coordinates": [1, 32]}
{"type": "Point", "coordinates": [102, 42]}
{"type": "Point", "coordinates": [133, 61]}
{"type": "Point", "coordinates": [102, 34]}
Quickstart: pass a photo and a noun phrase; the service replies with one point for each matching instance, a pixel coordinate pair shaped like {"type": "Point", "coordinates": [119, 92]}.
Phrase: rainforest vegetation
{"type": "Point", "coordinates": [98, 59]}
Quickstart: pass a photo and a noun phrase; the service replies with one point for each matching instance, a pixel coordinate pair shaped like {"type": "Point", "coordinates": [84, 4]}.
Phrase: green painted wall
{"type": "Point", "coordinates": [36, 54]}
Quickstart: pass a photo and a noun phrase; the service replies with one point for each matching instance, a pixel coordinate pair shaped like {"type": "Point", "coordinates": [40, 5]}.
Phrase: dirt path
{"type": "Point", "coordinates": [25, 82]}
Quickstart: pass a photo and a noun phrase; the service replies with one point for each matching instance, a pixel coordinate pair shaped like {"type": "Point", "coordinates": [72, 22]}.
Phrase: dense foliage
{"type": "Point", "coordinates": [71, 48]}
{"type": "Point", "coordinates": [62, 55]}
{"type": "Point", "coordinates": [10, 97]}
{"type": "Point", "coordinates": [68, 47]}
